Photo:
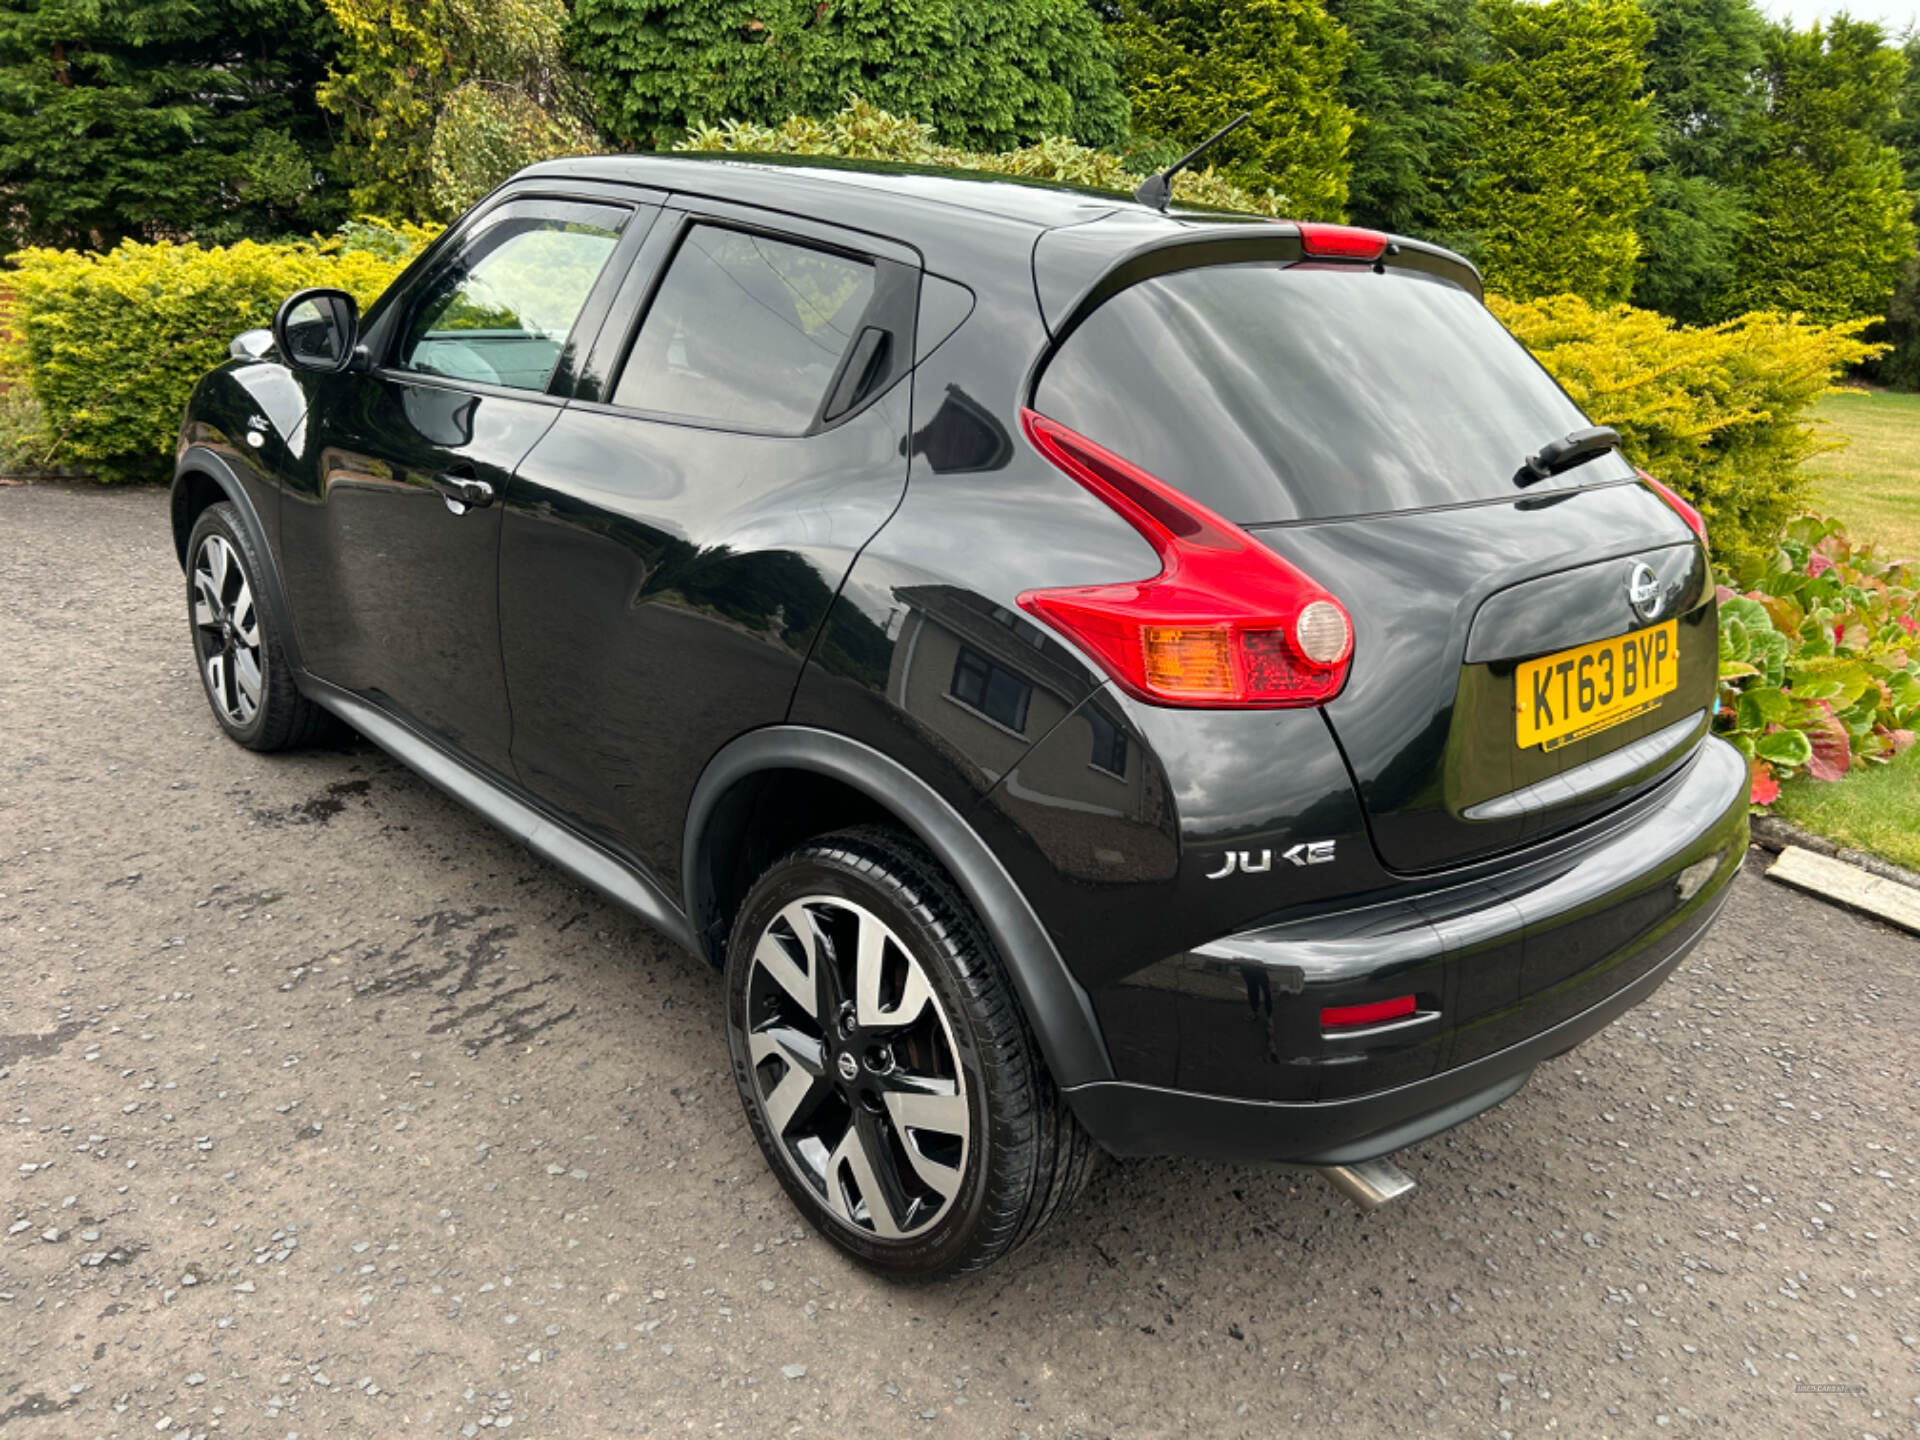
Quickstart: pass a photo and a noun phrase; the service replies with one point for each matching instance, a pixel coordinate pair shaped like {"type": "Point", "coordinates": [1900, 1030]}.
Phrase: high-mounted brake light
{"type": "Point", "coordinates": [1340, 242]}
{"type": "Point", "coordinates": [1226, 623]}
{"type": "Point", "coordinates": [1695, 520]}
{"type": "Point", "coordinates": [1375, 1012]}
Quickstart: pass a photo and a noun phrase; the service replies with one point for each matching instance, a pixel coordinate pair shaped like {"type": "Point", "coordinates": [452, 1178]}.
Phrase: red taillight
{"type": "Point", "coordinates": [1225, 623]}
{"type": "Point", "coordinates": [1340, 242]}
{"type": "Point", "coordinates": [1695, 520]}
{"type": "Point", "coordinates": [1374, 1012]}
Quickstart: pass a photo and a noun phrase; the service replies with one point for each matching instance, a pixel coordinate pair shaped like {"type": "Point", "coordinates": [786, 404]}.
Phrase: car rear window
{"type": "Point", "coordinates": [1273, 392]}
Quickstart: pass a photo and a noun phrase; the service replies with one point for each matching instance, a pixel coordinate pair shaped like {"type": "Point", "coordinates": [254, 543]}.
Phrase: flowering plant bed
{"type": "Point", "coordinates": [1819, 658]}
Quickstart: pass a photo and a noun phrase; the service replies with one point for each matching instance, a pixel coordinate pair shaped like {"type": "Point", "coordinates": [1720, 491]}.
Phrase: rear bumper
{"type": "Point", "coordinates": [1520, 969]}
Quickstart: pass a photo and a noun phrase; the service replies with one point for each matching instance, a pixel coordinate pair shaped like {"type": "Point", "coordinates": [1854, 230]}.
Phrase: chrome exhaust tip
{"type": "Point", "coordinates": [1370, 1184]}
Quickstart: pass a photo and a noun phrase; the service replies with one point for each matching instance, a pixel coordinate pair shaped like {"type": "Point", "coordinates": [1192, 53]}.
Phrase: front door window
{"type": "Point", "coordinates": [501, 313]}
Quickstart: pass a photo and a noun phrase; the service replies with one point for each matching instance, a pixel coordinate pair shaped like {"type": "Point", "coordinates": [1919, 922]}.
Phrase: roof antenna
{"type": "Point", "coordinates": [1157, 190]}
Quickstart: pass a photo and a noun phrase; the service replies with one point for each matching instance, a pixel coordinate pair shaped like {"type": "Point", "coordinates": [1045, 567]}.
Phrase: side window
{"type": "Point", "coordinates": [994, 691]}
{"type": "Point", "coordinates": [746, 330]}
{"type": "Point", "coordinates": [1109, 743]}
{"type": "Point", "coordinates": [501, 312]}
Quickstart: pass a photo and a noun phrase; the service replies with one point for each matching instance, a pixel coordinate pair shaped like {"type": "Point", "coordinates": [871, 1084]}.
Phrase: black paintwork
{"type": "Point", "coordinates": [666, 650]}
{"type": "Point", "coordinates": [665, 584]}
{"type": "Point", "coordinates": [394, 595]}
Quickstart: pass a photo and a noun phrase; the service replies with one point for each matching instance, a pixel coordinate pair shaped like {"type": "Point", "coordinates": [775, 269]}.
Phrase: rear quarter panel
{"type": "Point", "coordinates": [983, 519]}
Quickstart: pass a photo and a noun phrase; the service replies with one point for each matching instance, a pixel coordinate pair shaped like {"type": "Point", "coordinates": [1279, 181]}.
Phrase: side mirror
{"type": "Point", "coordinates": [250, 344]}
{"type": "Point", "coordinates": [317, 330]}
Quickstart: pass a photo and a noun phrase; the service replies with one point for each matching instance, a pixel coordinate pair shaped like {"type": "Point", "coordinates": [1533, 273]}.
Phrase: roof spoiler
{"type": "Point", "coordinates": [1077, 267]}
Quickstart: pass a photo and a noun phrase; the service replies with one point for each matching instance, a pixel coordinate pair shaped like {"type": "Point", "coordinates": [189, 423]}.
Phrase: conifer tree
{"type": "Point", "coordinates": [1704, 66]}
{"type": "Point", "coordinates": [1902, 366]}
{"type": "Point", "coordinates": [1559, 111]}
{"type": "Point", "coordinates": [1190, 66]}
{"type": "Point", "coordinates": [1832, 218]}
{"type": "Point", "coordinates": [148, 119]}
{"type": "Point", "coordinates": [1412, 151]}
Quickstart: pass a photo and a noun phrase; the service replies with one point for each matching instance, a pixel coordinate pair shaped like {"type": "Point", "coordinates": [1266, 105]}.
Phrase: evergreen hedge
{"type": "Point", "coordinates": [1704, 60]}
{"type": "Point", "coordinates": [113, 343]}
{"type": "Point", "coordinates": [148, 118]}
{"type": "Point", "coordinates": [441, 100]}
{"type": "Point", "coordinates": [863, 131]}
{"type": "Point", "coordinates": [1832, 220]}
{"type": "Point", "coordinates": [1558, 111]}
{"type": "Point", "coordinates": [985, 76]}
{"type": "Point", "coordinates": [1413, 149]}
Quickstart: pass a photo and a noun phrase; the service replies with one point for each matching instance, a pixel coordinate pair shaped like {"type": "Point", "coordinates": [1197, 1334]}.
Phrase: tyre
{"type": "Point", "coordinates": [884, 1063]}
{"type": "Point", "coordinates": [241, 661]}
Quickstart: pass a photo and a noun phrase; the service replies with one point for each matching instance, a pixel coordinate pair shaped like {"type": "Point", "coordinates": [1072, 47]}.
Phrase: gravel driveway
{"type": "Point", "coordinates": [331, 1112]}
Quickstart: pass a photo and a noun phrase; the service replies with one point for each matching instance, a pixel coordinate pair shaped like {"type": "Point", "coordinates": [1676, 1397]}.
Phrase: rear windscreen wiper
{"type": "Point", "coordinates": [1576, 447]}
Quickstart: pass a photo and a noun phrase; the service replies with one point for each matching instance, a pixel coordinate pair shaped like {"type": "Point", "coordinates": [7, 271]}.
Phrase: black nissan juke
{"type": "Point", "coordinates": [1093, 677]}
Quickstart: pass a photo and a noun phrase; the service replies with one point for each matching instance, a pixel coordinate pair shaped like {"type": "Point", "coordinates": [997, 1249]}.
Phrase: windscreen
{"type": "Point", "coordinates": [1273, 392]}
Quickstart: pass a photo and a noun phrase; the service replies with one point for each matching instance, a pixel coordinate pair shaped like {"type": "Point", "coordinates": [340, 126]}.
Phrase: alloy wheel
{"type": "Point", "coordinates": [226, 628]}
{"type": "Point", "coordinates": [855, 1069]}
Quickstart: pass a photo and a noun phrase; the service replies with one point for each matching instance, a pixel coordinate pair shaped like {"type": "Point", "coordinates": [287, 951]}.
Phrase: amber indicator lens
{"type": "Point", "coordinates": [1188, 662]}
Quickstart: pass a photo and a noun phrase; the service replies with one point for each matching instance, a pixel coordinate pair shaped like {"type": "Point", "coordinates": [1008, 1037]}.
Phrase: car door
{"type": "Point", "coordinates": [393, 548]}
{"type": "Point", "coordinates": [671, 545]}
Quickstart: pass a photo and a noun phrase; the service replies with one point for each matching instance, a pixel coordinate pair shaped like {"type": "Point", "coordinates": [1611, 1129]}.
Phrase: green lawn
{"type": "Point", "coordinates": [1873, 485]}
{"type": "Point", "coordinates": [1876, 807]}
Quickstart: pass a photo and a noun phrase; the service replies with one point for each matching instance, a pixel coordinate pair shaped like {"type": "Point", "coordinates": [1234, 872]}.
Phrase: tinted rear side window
{"type": "Point", "coordinates": [746, 330]}
{"type": "Point", "coordinates": [1272, 392]}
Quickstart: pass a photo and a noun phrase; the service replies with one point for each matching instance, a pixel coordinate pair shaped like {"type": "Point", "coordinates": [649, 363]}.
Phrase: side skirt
{"type": "Point", "coordinates": [544, 834]}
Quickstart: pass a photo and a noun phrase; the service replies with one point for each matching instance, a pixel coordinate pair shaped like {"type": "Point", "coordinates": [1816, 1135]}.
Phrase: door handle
{"type": "Point", "coordinates": [463, 492]}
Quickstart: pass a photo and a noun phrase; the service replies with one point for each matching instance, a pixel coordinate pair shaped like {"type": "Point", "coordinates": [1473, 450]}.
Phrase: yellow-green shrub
{"type": "Point", "coordinates": [487, 132]}
{"type": "Point", "coordinates": [1719, 412]}
{"type": "Point", "coordinates": [21, 442]}
{"type": "Point", "coordinates": [114, 342]}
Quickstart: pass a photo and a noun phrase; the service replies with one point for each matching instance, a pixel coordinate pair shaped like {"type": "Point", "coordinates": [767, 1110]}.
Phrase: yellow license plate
{"type": "Point", "coordinates": [1568, 696]}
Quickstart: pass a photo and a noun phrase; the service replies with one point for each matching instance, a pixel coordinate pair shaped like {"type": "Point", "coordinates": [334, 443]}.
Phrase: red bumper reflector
{"type": "Point", "coordinates": [1374, 1012]}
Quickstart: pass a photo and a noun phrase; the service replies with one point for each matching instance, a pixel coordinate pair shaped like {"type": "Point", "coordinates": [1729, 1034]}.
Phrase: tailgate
{"type": "Point", "coordinates": [1453, 608]}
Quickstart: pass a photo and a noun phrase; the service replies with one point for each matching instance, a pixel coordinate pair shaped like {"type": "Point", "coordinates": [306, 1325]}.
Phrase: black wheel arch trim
{"type": "Point", "coordinates": [1056, 1006]}
{"type": "Point", "coordinates": [204, 461]}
